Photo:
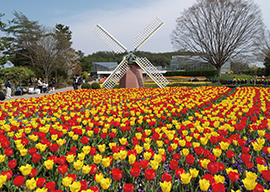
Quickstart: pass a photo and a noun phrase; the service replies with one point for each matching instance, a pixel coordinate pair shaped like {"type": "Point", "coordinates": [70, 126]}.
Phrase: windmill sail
{"type": "Point", "coordinates": [152, 71]}
{"type": "Point", "coordinates": [147, 33]}
{"type": "Point", "coordinates": [116, 75]}
{"type": "Point", "coordinates": [109, 40]}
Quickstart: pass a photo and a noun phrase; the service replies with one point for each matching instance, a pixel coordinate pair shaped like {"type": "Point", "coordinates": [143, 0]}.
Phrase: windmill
{"type": "Point", "coordinates": [129, 71]}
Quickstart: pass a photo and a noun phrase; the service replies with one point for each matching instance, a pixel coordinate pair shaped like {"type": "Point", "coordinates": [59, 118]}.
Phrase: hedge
{"type": "Point", "coordinates": [207, 73]}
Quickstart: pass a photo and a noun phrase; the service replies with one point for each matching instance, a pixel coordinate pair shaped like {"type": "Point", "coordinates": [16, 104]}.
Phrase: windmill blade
{"type": "Point", "coordinates": [152, 71]}
{"type": "Point", "coordinates": [147, 33]}
{"type": "Point", "coordinates": [109, 40]}
{"type": "Point", "coordinates": [116, 75]}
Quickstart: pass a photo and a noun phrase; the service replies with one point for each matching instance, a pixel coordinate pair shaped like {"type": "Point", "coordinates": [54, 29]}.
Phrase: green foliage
{"type": "Point", "coordinates": [85, 75]}
{"type": "Point", "coordinates": [86, 86]}
{"type": "Point", "coordinates": [231, 76]}
{"type": "Point", "coordinates": [17, 74]}
{"type": "Point", "coordinates": [267, 65]}
{"type": "Point", "coordinates": [191, 73]}
{"type": "Point", "coordinates": [95, 85]}
{"type": "Point", "coordinates": [3, 58]}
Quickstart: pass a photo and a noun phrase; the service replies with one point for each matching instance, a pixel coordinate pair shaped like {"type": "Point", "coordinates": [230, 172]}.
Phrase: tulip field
{"type": "Point", "coordinates": [144, 139]}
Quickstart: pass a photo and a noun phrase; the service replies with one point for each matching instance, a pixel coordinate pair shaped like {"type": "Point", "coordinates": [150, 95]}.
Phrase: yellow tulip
{"type": "Point", "coordinates": [97, 158]}
{"type": "Point", "coordinates": [86, 169]}
{"type": "Point", "coordinates": [2, 158]}
{"type": "Point", "coordinates": [161, 151]}
{"type": "Point", "coordinates": [70, 158]}
{"type": "Point", "coordinates": [75, 186]}
{"type": "Point", "coordinates": [3, 179]}
{"type": "Point", "coordinates": [123, 141]}
{"type": "Point", "coordinates": [105, 183]}
{"type": "Point", "coordinates": [204, 184]}
{"type": "Point", "coordinates": [185, 178]}
{"type": "Point", "coordinates": [138, 135]}
{"type": "Point", "coordinates": [249, 184]}
{"type": "Point", "coordinates": [224, 145]}
{"type": "Point", "coordinates": [123, 154]}
{"type": "Point", "coordinates": [219, 179]}
{"type": "Point", "coordinates": [185, 151]}
{"type": "Point", "coordinates": [138, 149]}
{"type": "Point", "coordinates": [257, 146]}
{"type": "Point", "coordinates": [26, 169]}
{"type": "Point", "coordinates": [147, 155]}
{"type": "Point", "coordinates": [146, 146]}
{"type": "Point", "coordinates": [154, 164]}
{"type": "Point", "coordinates": [54, 137]}
{"type": "Point", "coordinates": [31, 184]}
{"type": "Point", "coordinates": [49, 164]}
{"type": "Point", "coordinates": [204, 163]}
{"type": "Point", "coordinates": [66, 181]}
{"type": "Point", "coordinates": [194, 172]}
{"type": "Point", "coordinates": [131, 159]}
{"type": "Point", "coordinates": [158, 157]}
{"type": "Point", "coordinates": [252, 176]}
{"type": "Point", "coordinates": [217, 152]}
{"type": "Point", "coordinates": [106, 161]}
{"type": "Point", "coordinates": [116, 156]}
{"type": "Point", "coordinates": [78, 165]}
{"type": "Point", "coordinates": [159, 143]}
{"type": "Point", "coordinates": [86, 149]}
{"type": "Point", "coordinates": [23, 152]}
{"type": "Point", "coordinates": [165, 186]}
{"type": "Point", "coordinates": [182, 143]}
{"type": "Point", "coordinates": [101, 148]}
{"type": "Point", "coordinates": [41, 190]}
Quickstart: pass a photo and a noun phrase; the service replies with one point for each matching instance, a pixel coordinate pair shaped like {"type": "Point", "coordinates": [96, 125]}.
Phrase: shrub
{"type": "Point", "coordinates": [205, 73]}
{"type": "Point", "coordinates": [95, 85]}
{"type": "Point", "coordinates": [85, 75]}
{"type": "Point", "coordinates": [86, 86]}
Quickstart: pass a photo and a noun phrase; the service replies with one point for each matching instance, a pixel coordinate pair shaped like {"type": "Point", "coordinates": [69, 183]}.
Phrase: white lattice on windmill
{"type": "Point", "coordinates": [129, 70]}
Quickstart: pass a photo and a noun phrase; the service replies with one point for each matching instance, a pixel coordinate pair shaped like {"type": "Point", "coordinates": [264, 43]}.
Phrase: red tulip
{"type": "Point", "coordinates": [258, 188]}
{"type": "Point", "coordinates": [212, 157]}
{"type": "Point", "coordinates": [84, 185]}
{"type": "Point", "coordinates": [249, 165]}
{"type": "Point", "coordinates": [245, 157]}
{"type": "Point", "coordinates": [73, 149]}
{"type": "Point", "coordinates": [32, 151]}
{"type": "Point", "coordinates": [230, 154]}
{"type": "Point", "coordinates": [61, 160]}
{"type": "Point", "coordinates": [40, 182]}
{"type": "Point", "coordinates": [210, 178]}
{"type": "Point", "coordinates": [128, 187]}
{"type": "Point", "coordinates": [144, 164]}
{"type": "Point", "coordinates": [93, 169]}
{"type": "Point", "coordinates": [167, 177]}
{"type": "Point", "coordinates": [260, 160]}
{"type": "Point", "coordinates": [8, 152]}
{"type": "Point", "coordinates": [221, 167]}
{"type": "Point", "coordinates": [241, 142]}
{"type": "Point", "coordinates": [266, 175]}
{"type": "Point", "coordinates": [36, 157]}
{"type": "Point", "coordinates": [5, 144]}
{"type": "Point", "coordinates": [245, 149]}
{"type": "Point", "coordinates": [19, 180]}
{"type": "Point", "coordinates": [198, 150]}
{"type": "Point", "coordinates": [178, 172]}
{"type": "Point", "coordinates": [54, 147]}
{"type": "Point", "coordinates": [9, 174]}
{"type": "Point", "coordinates": [117, 174]}
{"type": "Point", "coordinates": [190, 159]}
{"type": "Point", "coordinates": [84, 140]}
{"type": "Point", "coordinates": [33, 173]}
{"type": "Point", "coordinates": [176, 156]}
{"type": "Point", "coordinates": [233, 176]}
{"type": "Point", "coordinates": [173, 165]}
{"type": "Point", "coordinates": [93, 150]}
{"type": "Point", "coordinates": [218, 187]}
{"type": "Point", "coordinates": [206, 153]}
{"type": "Point", "coordinates": [170, 149]}
{"type": "Point", "coordinates": [213, 139]}
{"type": "Point", "coordinates": [213, 167]}
{"type": "Point", "coordinates": [62, 169]}
{"type": "Point", "coordinates": [135, 171]}
{"type": "Point", "coordinates": [12, 164]}
{"type": "Point", "coordinates": [73, 176]}
{"type": "Point", "coordinates": [50, 186]}
{"type": "Point", "coordinates": [150, 174]}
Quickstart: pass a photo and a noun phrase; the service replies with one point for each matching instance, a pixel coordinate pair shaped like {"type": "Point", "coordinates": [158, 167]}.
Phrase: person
{"type": "Point", "coordinates": [44, 87]}
{"type": "Point", "coordinates": [2, 96]}
{"type": "Point", "coordinates": [76, 81]}
{"type": "Point", "coordinates": [8, 89]}
{"type": "Point", "coordinates": [39, 82]}
{"type": "Point", "coordinates": [52, 85]}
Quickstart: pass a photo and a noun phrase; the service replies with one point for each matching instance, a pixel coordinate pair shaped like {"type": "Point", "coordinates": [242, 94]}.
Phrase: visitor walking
{"type": "Point", "coordinates": [8, 89]}
{"type": "Point", "coordinates": [52, 85]}
{"type": "Point", "coordinates": [39, 84]}
{"type": "Point", "coordinates": [75, 83]}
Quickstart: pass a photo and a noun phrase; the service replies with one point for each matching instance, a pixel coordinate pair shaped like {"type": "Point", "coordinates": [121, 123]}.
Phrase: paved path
{"type": "Point", "coordinates": [27, 96]}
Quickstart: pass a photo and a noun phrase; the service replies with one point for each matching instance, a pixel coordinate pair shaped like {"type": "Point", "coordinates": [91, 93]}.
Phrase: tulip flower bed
{"type": "Point", "coordinates": [145, 139]}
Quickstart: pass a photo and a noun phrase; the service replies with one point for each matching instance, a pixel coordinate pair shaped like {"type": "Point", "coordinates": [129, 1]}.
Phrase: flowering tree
{"type": "Point", "coordinates": [218, 30]}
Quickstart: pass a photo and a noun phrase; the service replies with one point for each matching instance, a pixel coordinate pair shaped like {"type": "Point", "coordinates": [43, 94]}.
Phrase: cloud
{"type": "Point", "coordinates": [125, 24]}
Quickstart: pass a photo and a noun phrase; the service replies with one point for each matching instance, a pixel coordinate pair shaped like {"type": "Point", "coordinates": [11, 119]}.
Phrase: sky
{"type": "Point", "coordinates": [124, 19]}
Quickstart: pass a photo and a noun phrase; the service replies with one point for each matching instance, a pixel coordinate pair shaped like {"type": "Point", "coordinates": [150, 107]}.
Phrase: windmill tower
{"type": "Point", "coordinates": [129, 71]}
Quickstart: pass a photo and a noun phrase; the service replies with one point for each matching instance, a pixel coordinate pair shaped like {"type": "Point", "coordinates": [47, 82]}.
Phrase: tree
{"type": "Point", "coordinates": [85, 62]}
{"type": "Point", "coordinates": [21, 35]}
{"type": "Point", "coordinates": [218, 30]}
{"type": "Point", "coordinates": [3, 58]}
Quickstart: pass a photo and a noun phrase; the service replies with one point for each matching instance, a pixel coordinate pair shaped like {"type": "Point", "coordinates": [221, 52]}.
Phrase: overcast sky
{"type": "Point", "coordinates": [124, 19]}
